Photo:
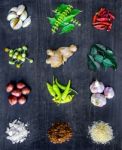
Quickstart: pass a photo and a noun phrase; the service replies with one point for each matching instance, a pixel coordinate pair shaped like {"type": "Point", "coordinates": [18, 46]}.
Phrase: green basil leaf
{"type": "Point", "coordinates": [107, 63]}
{"type": "Point", "coordinates": [68, 28]}
{"type": "Point", "coordinates": [75, 12]}
{"type": "Point", "coordinates": [99, 58]}
{"type": "Point", "coordinates": [93, 50]}
{"type": "Point", "coordinates": [101, 47]}
{"type": "Point", "coordinates": [52, 20]}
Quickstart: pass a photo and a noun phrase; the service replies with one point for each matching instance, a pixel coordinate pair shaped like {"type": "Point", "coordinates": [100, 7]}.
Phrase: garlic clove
{"type": "Point", "coordinates": [97, 87]}
{"type": "Point", "coordinates": [11, 16]}
{"type": "Point", "coordinates": [98, 100]}
{"type": "Point", "coordinates": [16, 24]}
{"type": "Point", "coordinates": [24, 15]}
{"type": "Point", "coordinates": [109, 92]}
{"type": "Point", "coordinates": [13, 9]}
{"type": "Point", "coordinates": [20, 9]}
{"type": "Point", "coordinates": [27, 22]}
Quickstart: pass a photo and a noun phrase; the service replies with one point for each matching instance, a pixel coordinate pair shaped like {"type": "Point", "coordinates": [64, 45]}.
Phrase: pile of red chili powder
{"type": "Point", "coordinates": [103, 19]}
{"type": "Point", "coordinates": [59, 133]}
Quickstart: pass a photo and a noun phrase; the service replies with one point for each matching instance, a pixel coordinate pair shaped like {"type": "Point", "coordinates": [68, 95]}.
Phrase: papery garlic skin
{"type": "Point", "coordinates": [97, 87]}
{"type": "Point", "coordinates": [98, 100]}
{"type": "Point", "coordinates": [109, 92]}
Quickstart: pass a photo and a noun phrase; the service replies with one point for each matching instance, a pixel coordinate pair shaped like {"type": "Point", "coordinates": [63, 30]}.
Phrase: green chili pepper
{"type": "Point", "coordinates": [67, 99]}
{"type": "Point", "coordinates": [65, 93]}
{"type": "Point", "coordinates": [59, 85]}
{"type": "Point", "coordinates": [50, 89]}
{"type": "Point", "coordinates": [57, 90]}
{"type": "Point", "coordinates": [62, 87]}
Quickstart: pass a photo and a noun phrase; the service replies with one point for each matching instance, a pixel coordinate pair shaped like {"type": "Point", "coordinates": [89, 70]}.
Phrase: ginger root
{"type": "Point", "coordinates": [61, 55]}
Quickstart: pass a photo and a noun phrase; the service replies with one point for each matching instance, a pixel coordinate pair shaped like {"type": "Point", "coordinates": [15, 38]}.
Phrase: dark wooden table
{"type": "Point", "coordinates": [40, 112]}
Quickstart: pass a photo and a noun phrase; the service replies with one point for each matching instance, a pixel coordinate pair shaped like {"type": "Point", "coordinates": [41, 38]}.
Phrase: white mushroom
{"type": "Point", "coordinates": [20, 10]}
{"type": "Point", "coordinates": [27, 22]}
{"type": "Point", "coordinates": [97, 87]}
{"type": "Point", "coordinates": [23, 15]}
{"type": "Point", "coordinates": [98, 100]}
{"type": "Point", "coordinates": [11, 16]}
{"type": "Point", "coordinates": [109, 92]}
{"type": "Point", "coordinates": [16, 24]}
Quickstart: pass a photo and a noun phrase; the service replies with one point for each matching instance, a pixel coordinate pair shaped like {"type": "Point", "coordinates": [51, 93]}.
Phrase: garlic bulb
{"type": "Point", "coordinates": [109, 92]}
{"type": "Point", "coordinates": [97, 87]}
{"type": "Point", "coordinates": [18, 17]}
{"type": "Point", "coordinates": [98, 100]}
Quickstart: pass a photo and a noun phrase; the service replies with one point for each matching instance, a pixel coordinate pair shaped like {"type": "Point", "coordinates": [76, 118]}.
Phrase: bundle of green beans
{"type": "Point", "coordinates": [61, 94]}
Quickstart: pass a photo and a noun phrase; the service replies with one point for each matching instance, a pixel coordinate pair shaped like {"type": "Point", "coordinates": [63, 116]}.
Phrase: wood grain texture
{"type": "Point", "coordinates": [40, 112]}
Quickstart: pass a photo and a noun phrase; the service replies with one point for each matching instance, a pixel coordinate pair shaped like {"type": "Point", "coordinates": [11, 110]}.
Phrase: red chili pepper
{"type": "Point", "coordinates": [99, 26]}
{"type": "Point", "coordinates": [102, 19]}
{"type": "Point", "coordinates": [111, 16]}
{"type": "Point", "coordinates": [94, 18]}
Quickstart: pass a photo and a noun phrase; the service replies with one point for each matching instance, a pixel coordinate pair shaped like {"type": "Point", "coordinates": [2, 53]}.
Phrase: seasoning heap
{"type": "Point", "coordinates": [64, 19]}
{"type": "Point", "coordinates": [101, 132]}
{"type": "Point", "coordinates": [18, 93]}
{"type": "Point", "coordinates": [60, 56]}
{"type": "Point", "coordinates": [59, 133]}
{"type": "Point", "coordinates": [18, 17]}
{"type": "Point", "coordinates": [18, 56]}
{"type": "Point", "coordinates": [17, 132]}
{"type": "Point", "coordinates": [61, 94]}
{"type": "Point", "coordinates": [103, 19]}
{"type": "Point", "coordinates": [101, 56]}
{"type": "Point", "coordinates": [100, 93]}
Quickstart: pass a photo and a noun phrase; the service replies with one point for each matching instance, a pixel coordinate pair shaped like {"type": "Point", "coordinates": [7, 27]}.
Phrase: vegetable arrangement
{"type": "Point", "coordinates": [103, 19]}
{"type": "Point", "coordinates": [18, 93]}
{"type": "Point", "coordinates": [101, 56]}
{"type": "Point", "coordinates": [18, 17]}
{"type": "Point", "coordinates": [100, 93]}
{"type": "Point", "coordinates": [18, 56]}
{"type": "Point", "coordinates": [61, 94]}
{"type": "Point", "coordinates": [64, 19]}
{"type": "Point", "coordinates": [60, 56]}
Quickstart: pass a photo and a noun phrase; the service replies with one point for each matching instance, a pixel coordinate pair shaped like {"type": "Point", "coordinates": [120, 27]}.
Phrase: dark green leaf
{"type": "Point", "coordinates": [99, 58]}
{"type": "Point", "coordinates": [100, 46]}
{"type": "Point", "coordinates": [52, 20]}
{"type": "Point", "coordinates": [107, 63]}
{"type": "Point", "coordinates": [109, 52]}
{"type": "Point", "coordinates": [68, 19]}
{"type": "Point", "coordinates": [61, 8]}
{"type": "Point", "coordinates": [93, 50]}
{"type": "Point", "coordinates": [68, 28]}
{"type": "Point", "coordinates": [92, 64]}
{"type": "Point", "coordinates": [75, 12]}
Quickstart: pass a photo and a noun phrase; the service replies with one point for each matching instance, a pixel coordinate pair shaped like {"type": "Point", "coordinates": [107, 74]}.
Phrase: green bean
{"type": "Point", "coordinates": [50, 89]}
{"type": "Point", "coordinates": [65, 93]}
{"type": "Point", "coordinates": [57, 90]}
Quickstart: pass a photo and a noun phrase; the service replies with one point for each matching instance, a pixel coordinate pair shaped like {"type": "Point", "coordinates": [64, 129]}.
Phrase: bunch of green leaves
{"type": "Point", "coordinates": [61, 94]}
{"type": "Point", "coordinates": [18, 56]}
{"type": "Point", "coordinates": [101, 56]}
{"type": "Point", "coordinates": [64, 19]}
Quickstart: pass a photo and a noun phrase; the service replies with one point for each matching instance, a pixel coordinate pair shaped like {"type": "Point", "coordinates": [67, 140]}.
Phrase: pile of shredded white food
{"type": "Point", "coordinates": [17, 132]}
{"type": "Point", "coordinates": [101, 132]}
